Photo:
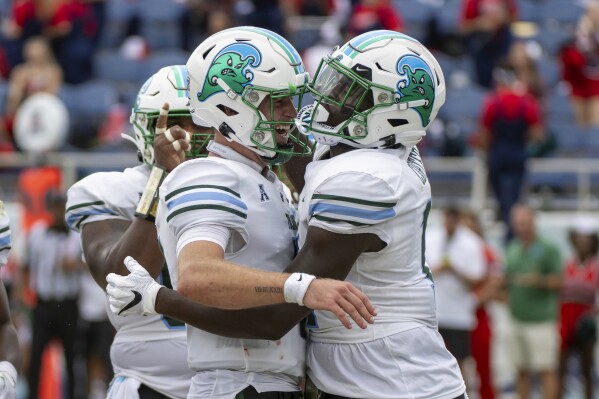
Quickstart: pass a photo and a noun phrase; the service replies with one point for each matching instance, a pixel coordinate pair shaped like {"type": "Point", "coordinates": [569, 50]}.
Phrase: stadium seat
{"type": "Point", "coordinates": [464, 102]}
{"type": "Point", "coordinates": [529, 10]}
{"type": "Point", "coordinates": [566, 12]}
{"type": "Point", "coordinates": [449, 15]}
{"type": "Point", "coordinates": [160, 23]}
{"type": "Point", "coordinates": [552, 39]}
{"type": "Point", "coordinates": [414, 10]}
{"type": "Point", "coordinates": [112, 65]}
{"type": "Point", "coordinates": [163, 58]}
{"type": "Point", "coordinates": [550, 70]}
{"type": "Point", "coordinates": [3, 96]}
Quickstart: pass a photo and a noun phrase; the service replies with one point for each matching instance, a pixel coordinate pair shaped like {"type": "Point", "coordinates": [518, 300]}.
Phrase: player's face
{"type": "Point", "coordinates": [283, 110]}
{"type": "Point", "coordinates": [184, 122]}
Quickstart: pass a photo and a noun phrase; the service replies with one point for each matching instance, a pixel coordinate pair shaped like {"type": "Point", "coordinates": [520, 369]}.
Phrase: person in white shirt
{"type": "Point", "coordinates": [456, 257]}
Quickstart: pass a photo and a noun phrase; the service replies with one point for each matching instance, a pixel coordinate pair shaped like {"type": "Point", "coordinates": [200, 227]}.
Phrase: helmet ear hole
{"type": "Point", "coordinates": [397, 122]}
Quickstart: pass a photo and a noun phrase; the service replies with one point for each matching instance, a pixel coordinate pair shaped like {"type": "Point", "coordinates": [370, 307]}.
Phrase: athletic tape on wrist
{"type": "Point", "coordinates": [296, 286]}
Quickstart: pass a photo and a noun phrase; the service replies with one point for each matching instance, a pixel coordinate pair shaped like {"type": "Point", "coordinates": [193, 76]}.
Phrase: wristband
{"type": "Point", "coordinates": [149, 298]}
{"type": "Point", "coordinates": [9, 371]}
{"type": "Point", "coordinates": [148, 203]}
{"type": "Point", "coordinates": [296, 286]}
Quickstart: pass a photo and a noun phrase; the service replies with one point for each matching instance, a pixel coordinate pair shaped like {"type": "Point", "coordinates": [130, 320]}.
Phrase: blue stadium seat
{"type": "Point", "coordinates": [111, 65]}
{"type": "Point", "coordinates": [529, 10]}
{"type": "Point", "coordinates": [414, 10]}
{"type": "Point", "coordinates": [449, 15]}
{"type": "Point", "coordinates": [566, 12]}
{"type": "Point", "coordinates": [558, 109]}
{"type": "Point", "coordinates": [552, 39]}
{"type": "Point", "coordinates": [160, 23]}
{"type": "Point", "coordinates": [571, 139]}
{"type": "Point", "coordinates": [95, 98]}
{"type": "Point", "coordinates": [3, 96]}
{"type": "Point", "coordinates": [163, 58]}
{"type": "Point", "coordinates": [550, 70]}
{"type": "Point", "coordinates": [118, 15]}
{"type": "Point", "coordinates": [464, 102]}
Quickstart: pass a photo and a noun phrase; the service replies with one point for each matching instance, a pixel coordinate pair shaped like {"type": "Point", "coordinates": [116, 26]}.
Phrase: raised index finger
{"type": "Point", "coordinates": [162, 118]}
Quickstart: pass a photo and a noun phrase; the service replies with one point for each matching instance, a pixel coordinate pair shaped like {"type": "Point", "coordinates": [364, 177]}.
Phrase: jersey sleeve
{"type": "Point", "coordinates": [352, 202]}
{"type": "Point", "coordinates": [199, 194]}
{"type": "Point", "coordinates": [102, 196]}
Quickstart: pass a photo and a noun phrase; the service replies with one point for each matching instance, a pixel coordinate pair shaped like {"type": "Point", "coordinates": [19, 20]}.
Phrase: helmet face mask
{"type": "Point", "coordinates": [239, 78]}
{"type": "Point", "coordinates": [168, 85]}
{"type": "Point", "coordinates": [380, 89]}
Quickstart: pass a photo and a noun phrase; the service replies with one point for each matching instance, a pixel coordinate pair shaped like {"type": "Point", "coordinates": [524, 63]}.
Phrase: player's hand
{"type": "Point", "coordinates": [8, 380]}
{"type": "Point", "coordinates": [342, 299]}
{"type": "Point", "coordinates": [134, 293]}
{"type": "Point", "coordinates": [4, 235]}
{"type": "Point", "coordinates": [169, 145]}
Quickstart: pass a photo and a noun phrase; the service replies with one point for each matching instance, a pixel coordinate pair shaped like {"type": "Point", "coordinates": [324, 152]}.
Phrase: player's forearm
{"type": "Point", "coordinates": [9, 345]}
{"type": "Point", "coordinates": [225, 285]}
{"type": "Point", "coordinates": [106, 244]}
{"type": "Point", "coordinates": [268, 322]}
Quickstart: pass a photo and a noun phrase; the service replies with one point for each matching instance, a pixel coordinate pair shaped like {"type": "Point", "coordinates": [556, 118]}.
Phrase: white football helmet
{"type": "Point", "coordinates": [238, 68]}
{"type": "Point", "coordinates": [380, 89]}
{"type": "Point", "coordinates": [168, 85]}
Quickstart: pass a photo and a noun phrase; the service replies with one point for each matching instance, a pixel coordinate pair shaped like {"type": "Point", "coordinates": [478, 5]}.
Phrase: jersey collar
{"type": "Point", "coordinates": [228, 153]}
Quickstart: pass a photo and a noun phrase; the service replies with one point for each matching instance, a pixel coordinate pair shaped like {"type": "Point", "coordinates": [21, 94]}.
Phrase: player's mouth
{"type": "Point", "coordinates": [283, 131]}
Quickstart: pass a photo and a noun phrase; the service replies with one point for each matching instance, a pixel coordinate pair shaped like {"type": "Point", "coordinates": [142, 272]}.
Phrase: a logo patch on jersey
{"type": "Point", "coordinates": [263, 196]}
{"type": "Point", "coordinates": [416, 83]}
{"type": "Point", "coordinates": [415, 163]}
{"type": "Point", "coordinates": [231, 65]}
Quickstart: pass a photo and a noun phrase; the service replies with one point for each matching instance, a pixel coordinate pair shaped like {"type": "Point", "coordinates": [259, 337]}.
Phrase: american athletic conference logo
{"type": "Point", "coordinates": [231, 65]}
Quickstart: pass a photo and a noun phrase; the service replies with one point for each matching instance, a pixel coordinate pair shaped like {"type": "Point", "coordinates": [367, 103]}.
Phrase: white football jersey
{"type": "Point", "coordinates": [387, 193]}
{"type": "Point", "coordinates": [114, 195]}
{"type": "Point", "coordinates": [217, 191]}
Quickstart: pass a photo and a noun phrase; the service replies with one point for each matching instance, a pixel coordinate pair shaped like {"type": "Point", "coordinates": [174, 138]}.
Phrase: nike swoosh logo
{"type": "Point", "coordinates": [301, 276]}
{"type": "Point", "coordinates": [134, 302]}
{"type": "Point", "coordinates": [361, 69]}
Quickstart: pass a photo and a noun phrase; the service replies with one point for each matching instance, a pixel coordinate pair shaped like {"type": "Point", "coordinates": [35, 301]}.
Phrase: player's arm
{"type": "Point", "coordinates": [206, 277]}
{"type": "Point", "coordinates": [9, 345]}
{"type": "Point", "coordinates": [325, 254]}
{"type": "Point", "coordinates": [106, 243]}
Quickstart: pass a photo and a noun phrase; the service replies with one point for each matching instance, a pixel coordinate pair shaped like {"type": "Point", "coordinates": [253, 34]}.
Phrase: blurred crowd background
{"type": "Point", "coordinates": [520, 125]}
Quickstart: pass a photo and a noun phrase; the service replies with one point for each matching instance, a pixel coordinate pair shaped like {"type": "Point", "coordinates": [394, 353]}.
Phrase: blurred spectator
{"type": "Point", "coordinates": [39, 73]}
{"type": "Point", "coordinates": [578, 298]}
{"type": "Point", "coordinates": [370, 15]}
{"type": "Point", "coordinates": [580, 65]}
{"type": "Point", "coordinates": [510, 119]}
{"type": "Point", "coordinates": [52, 267]}
{"type": "Point", "coordinates": [486, 24]}
{"type": "Point", "coordinates": [533, 279]}
{"type": "Point", "coordinates": [34, 184]}
{"type": "Point", "coordinates": [24, 22]}
{"type": "Point", "coordinates": [95, 336]}
{"type": "Point", "coordinates": [73, 29]}
{"type": "Point", "coordinates": [487, 290]}
{"type": "Point", "coordinates": [526, 69]}
{"type": "Point", "coordinates": [455, 256]}
{"type": "Point", "coordinates": [268, 14]}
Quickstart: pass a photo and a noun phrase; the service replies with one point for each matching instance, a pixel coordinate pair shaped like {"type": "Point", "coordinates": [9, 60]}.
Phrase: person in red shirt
{"type": "Point", "coordinates": [577, 308]}
{"type": "Point", "coordinates": [486, 24]}
{"type": "Point", "coordinates": [368, 15]}
{"type": "Point", "coordinates": [511, 118]}
{"type": "Point", "coordinates": [485, 291]}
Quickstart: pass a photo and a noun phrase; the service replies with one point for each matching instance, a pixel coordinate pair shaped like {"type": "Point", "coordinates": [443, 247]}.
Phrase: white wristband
{"type": "Point", "coordinates": [296, 286]}
{"type": "Point", "coordinates": [149, 298]}
{"type": "Point", "coordinates": [10, 371]}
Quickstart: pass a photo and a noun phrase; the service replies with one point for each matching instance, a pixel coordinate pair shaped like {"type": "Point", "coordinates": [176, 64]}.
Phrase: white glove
{"type": "Point", "coordinates": [134, 293]}
{"type": "Point", "coordinates": [8, 380]}
{"type": "Point", "coordinates": [4, 235]}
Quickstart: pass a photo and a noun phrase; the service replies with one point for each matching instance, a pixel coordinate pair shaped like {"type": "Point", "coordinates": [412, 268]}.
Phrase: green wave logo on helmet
{"type": "Point", "coordinates": [416, 83]}
{"type": "Point", "coordinates": [231, 65]}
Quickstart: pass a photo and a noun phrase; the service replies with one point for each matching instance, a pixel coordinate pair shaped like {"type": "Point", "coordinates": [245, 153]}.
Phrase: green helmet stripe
{"type": "Point", "coordinates": [179, 79]}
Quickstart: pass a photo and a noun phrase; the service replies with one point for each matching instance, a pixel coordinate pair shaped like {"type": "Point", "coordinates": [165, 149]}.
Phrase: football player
{"type": "Point", "coordinates": [104, 206]}
{"type": "Point", "coordinates": [10, 352]}
{"type": "Point", "coordinates": [229, 210]}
